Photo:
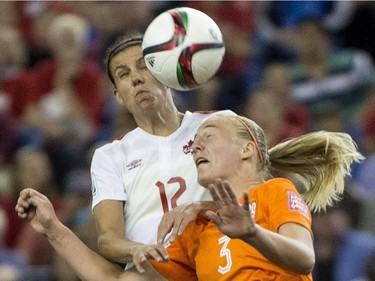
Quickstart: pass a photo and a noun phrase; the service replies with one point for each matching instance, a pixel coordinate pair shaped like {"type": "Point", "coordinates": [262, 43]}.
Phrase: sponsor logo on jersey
{"type": "Point", "coordinates": [296, 203]}
{"type": "Point", "coordinates": [134, 164]}
{"type": "Point", "coordinates": [188, 149]}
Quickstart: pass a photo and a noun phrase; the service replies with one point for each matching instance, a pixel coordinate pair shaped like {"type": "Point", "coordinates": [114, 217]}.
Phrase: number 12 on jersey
{"type": "Point", "coordinates": [163, 196]}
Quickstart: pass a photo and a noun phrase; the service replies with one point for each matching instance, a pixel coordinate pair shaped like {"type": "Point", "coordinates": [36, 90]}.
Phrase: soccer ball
{"type": "Point", "coordinates": [183, 48]}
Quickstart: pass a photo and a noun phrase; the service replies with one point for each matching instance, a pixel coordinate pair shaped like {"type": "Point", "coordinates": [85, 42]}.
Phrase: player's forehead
{"type": "Point", "coordinates": [128, 56]}
{"type": "Point", "coordinates": [221, 124]}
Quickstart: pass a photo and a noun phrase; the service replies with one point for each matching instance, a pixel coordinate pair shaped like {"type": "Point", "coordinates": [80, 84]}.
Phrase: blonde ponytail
{"type": "Point", "coordinates": [319, 161]}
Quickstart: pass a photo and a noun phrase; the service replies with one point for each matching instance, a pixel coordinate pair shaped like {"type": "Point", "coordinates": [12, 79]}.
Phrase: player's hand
{"type": "Point", "coordinates": [37, 210]}
{"type": "Point", "coordinates": [176, 220]}
{"type": "Point", "coordinates": [142, 253]}
{"type": "Point", "coordinates": [232, 218]}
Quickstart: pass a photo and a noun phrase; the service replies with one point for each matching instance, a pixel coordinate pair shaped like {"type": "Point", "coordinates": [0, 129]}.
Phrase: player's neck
{"type": "Point", "coordinates": [244, 181]}
{"type": "Point", "coordinates": [162, 124]}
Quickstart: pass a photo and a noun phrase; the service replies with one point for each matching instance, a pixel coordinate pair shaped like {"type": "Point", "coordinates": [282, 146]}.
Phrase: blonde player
{"type": "Point", "coordinates": [262, 228]}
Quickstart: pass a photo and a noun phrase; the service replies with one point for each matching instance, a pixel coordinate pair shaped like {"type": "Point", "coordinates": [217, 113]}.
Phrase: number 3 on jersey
{"type": "Point", "coordinates": [226, 253]}
{"type": "Point", "coordinates": [163, 197]}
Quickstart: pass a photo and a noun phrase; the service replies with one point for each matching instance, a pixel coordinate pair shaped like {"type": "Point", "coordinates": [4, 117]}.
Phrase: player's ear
{"type": "Point", "coordinates": [118, 96]}
{"type": "Point", "coordinates": [248, 150]}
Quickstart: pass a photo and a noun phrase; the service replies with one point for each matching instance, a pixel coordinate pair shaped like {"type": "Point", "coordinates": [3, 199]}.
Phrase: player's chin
{"type": "Point", "coordinates": [204, 180]}
{"type": "Point", "coordinates": [147, 103]}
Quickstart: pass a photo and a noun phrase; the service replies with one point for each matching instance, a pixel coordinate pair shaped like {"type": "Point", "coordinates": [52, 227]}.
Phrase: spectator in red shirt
{"type": "Point", "coordinates": [66, 96]}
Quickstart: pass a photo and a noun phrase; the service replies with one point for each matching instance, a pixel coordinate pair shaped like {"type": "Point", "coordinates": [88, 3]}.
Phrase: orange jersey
{"type": "Point", "coordinates": [204, 253]}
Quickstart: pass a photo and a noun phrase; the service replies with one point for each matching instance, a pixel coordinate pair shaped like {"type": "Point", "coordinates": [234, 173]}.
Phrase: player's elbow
{"type": "Point", "coordinates": [303, 265]}
{"type": "Point", "coordinates": [307, 265]}
{"type": "Point", "coordinates": [104, 246]}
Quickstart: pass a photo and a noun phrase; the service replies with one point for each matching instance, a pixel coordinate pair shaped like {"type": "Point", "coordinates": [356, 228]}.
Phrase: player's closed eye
{"type": "Point", "coordinates": [122, 74]}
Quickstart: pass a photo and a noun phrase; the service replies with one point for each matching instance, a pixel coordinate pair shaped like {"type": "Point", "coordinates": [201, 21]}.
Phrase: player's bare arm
{"type": "Point", "coordinates": [113, 242]}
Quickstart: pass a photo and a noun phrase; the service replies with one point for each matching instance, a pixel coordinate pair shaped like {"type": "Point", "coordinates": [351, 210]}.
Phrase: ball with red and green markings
{"type": "Point", "coordinates": [183, 48]}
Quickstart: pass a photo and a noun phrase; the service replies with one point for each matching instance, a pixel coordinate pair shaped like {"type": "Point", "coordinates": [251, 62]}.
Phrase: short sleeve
{"type": "Point", "coordinates": [285, 204]}
{"type": "Point", "coordinates": [106, 179]}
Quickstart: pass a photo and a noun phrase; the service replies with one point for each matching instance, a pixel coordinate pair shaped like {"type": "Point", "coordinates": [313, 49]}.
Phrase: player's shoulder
{"type": "Point", "coordinates": [125, 137]}
{"type": "Point", "coordinates": [204, 112]}
{"type": "Point", "coordinates": [115, 143]}
{"type": "Point", "coordinates": [273, 187]}
{"type": "Point", "coordinates": [203, 115]}
{"type": "Point", "coordinates": [196, 117]}
{"type": "Point", "coordinates": [213, 112]}
{"type": "Point", "coordinates": [280, 183]}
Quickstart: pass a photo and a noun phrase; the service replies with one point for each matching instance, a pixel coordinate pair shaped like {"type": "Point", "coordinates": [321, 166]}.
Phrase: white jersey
{"type": "Point", "coordinates": [152, 174]}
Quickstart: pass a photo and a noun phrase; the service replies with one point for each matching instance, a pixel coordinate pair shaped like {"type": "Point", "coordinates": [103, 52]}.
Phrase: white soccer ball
{"type": "Point", "coordinates": [183, 48]}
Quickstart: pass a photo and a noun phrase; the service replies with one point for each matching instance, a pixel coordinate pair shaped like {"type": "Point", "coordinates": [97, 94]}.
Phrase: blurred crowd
{"type": "Point", "coordinates": [293, 67]}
